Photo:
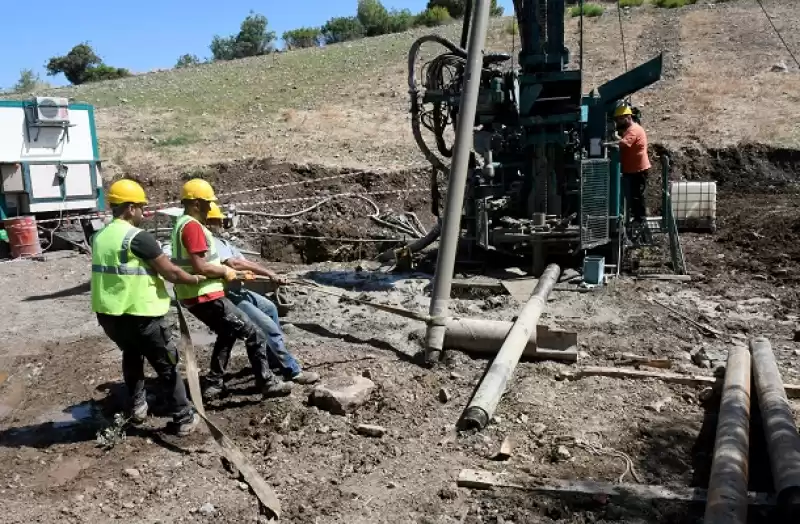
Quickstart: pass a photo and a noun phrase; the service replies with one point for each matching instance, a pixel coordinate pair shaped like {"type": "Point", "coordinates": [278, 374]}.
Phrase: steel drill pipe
{"type": "Point", "coordinates": [727, 487]}
{"type": "Point", "coordinates": [783, 441]}
{"type": "Point", "coordinates": [451, 223]}
{"type": "Point", "coordinates": [487, 336]}
{"type": "Point", "coordinates": [485, 400]}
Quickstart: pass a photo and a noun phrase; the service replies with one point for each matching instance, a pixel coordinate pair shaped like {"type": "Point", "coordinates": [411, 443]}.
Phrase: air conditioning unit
{"type": "Point", "coordinates": [52, 110]}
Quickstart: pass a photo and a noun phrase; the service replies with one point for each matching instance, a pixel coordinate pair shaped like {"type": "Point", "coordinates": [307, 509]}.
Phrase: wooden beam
{"type": "Point", "coordinates": [792, 390]}
{"type": "Point", "coordinates": [481, 479]}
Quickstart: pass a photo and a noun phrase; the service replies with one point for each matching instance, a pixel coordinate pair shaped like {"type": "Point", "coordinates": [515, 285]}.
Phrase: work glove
{"type": "Point", "coordinates": [246, 275]}
{"type": "Point", "coordinates": [231, 275]}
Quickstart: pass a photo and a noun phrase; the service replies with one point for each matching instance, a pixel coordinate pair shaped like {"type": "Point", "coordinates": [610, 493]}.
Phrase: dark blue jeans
{"type": "Point", "coordinates": [264, 315]}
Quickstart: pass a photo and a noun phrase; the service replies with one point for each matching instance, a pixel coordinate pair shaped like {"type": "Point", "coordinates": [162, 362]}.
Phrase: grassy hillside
{"type": "Point", "coordinates": [348, 105]}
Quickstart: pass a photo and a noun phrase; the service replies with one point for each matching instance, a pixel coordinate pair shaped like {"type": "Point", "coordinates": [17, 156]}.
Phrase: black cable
{"type": "Point", "coordinates": [778, 33]}
{"type": "Point", "coordinates": [622, 35]}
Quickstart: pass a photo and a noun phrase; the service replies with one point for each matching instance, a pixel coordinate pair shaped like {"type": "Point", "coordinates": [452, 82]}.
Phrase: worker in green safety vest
{"type": "Point", "coordinates": [131, 302]}
{"type": "Point", "coordinates": [193, 250]}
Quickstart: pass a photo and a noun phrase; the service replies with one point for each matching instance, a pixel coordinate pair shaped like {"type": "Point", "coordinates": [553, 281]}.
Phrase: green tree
{"type": "Point", "coordinates": [342, 29]}
{"type": "Point", "coordinates": [400, 20]}
{"type": "Point", "coordinates": [456, 8]}
{"type": "Point", "coordinates": [28, 80]}
{"type": "Point", "coordinates": [187, 60]}
{"type": "Point", "coordinates": [253, 39]}
{"type": "Point", "coordinates": [432, 17]}
{"type": "Point", "coordinates": [373, 16]}
{"type": "Point", "coordinates": [82, 65]}
{"type": "Point", "coordinates": [302, 37]}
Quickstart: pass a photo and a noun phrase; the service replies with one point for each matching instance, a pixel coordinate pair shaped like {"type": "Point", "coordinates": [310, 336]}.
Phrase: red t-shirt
{"type": "Point", "coordinates": [194, 240]}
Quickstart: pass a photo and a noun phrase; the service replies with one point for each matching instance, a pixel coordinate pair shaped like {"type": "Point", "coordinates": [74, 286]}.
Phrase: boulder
{"type": "Point", "coordinates": [341, 395]}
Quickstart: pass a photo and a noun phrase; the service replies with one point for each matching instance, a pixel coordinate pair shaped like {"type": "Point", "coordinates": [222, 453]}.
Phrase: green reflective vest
{"type": "Point", "coordinates": [180, 257]}
{"type": "Point", "coordinates": [122, 283]}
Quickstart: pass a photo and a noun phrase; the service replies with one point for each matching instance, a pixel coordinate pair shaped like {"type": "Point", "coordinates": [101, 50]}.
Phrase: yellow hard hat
{"type": "Point", "coordinates": [198, 189]}
{"type": "Point", "coordinates": [622, 111]}
{"type": "Point", "coordinates": [126, 190]}
{"type": "Point", "coordinates": [215, 212]}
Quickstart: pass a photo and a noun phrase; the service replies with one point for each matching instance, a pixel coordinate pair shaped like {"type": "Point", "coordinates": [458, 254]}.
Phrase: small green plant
{"type": "Point", "coordinates": [672, 4]}
{"type": "Point", "coordinates": [433, 16]}
{"type": "Point", "coordinates": [114, 434]}
{"type": "Point", "coordinates": [511, 27]}
{"type": "Point", "coordinates": [630, 3]}
{"type": "Point", "coordinates": [590, 10]}
{"type": "Point", "coordinates": [177, 140]}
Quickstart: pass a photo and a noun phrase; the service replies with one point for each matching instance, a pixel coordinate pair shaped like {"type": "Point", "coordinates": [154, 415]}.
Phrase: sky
{"type": "Point", "coordinates": [143, 35]}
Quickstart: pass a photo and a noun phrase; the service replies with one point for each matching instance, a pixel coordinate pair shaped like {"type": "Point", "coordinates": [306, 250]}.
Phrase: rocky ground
{"type": "Point", "coordinates": [60, 377]}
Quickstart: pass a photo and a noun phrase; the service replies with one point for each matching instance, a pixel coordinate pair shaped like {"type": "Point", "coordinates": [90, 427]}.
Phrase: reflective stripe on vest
{"type": "Point", "coordinates": [181, 259]}
{"type": "Point", "coordinates": [122, 283]}
{"type": "Point", "coordinates": [123, 268]}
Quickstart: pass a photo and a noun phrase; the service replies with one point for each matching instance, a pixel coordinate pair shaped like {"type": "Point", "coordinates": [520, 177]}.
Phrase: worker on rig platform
{"type": "Point", "coordinates": [131, 302]}
{"type": "Point", "coordinates": [194, 251]}
{"type": "Point", "coordinates": [258, 308]}
{"type": "Point", "coordinates": [635, 163]}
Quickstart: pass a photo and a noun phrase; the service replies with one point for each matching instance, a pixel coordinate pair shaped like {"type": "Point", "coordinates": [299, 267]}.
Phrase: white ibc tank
{"type": "Point", "coordinates": [694, 203]}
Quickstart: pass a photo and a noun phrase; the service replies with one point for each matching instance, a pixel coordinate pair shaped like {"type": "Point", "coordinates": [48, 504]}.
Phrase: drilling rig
{"type": "Point", "coordinates": [543, 176]}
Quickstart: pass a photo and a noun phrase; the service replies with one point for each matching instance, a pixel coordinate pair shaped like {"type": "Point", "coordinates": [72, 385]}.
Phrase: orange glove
{"type": "Point", "coordinates": [246, 275]}
{"type": "Point", "coordinates": [231, 275]}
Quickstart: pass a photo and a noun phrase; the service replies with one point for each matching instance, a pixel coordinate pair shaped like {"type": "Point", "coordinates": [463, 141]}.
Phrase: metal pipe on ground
{"type": "Point", "coordinates": [783, 441]}
{"type": "Point", "coordinates": [487, 336]}
{"type": "Point", "coordinates": [451, 223]}
{"type": "Point", "coordinates": [727, 497]}
{"type": "Point", "coordinates": [484, 402]}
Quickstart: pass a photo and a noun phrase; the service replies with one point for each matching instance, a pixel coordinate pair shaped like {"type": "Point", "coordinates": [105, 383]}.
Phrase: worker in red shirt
{"type": "Point", "coordinates": [193, 250]}
{"type": "Point", "coordinates": [635, 162]}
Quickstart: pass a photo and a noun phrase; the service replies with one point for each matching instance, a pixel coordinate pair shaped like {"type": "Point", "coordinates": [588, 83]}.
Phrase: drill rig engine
{"type": "Point", "coordinates": [548, 182]}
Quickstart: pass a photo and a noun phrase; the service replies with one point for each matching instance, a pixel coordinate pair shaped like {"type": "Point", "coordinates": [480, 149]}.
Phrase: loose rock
{"type": "Point", "coordinates": [444, 395]}
{"type": "Point", "coordinates": [371, 430]}
{"type": "Point", "coordinates": [133, 473]}
{"type": "Point", "coordinates": [342, 395]}
{"type": "Point", "coordinates": [207, 509]}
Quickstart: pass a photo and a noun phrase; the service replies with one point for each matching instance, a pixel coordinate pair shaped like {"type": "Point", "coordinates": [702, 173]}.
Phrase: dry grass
{"type": "Point", "coordinates": [347, 104]}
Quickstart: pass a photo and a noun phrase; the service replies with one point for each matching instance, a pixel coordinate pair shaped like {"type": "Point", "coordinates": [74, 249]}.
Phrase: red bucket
{"type": "Point", "coordinates": [23, 236]}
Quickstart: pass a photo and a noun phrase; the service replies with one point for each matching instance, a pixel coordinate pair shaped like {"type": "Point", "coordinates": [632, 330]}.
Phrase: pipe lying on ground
{"type": "Point", "coordinates": [727, 487]}
{"type": "Point", "coordinates": [487, 336]}
{"type": "Point", "coordinates": [485, 400]}
{"type": "Point", "coordinates": [783, 441]}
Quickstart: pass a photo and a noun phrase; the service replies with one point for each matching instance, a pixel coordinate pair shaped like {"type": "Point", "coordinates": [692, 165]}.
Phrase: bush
{"type": "Point", "coordinates": [302, 37]}
{"type": "Point", "coordinates": [105, 72]}
{"type": "Point", "coordinates": [400, 21]}
{"type": "Point", "coordinates": [253, 39]}
{"type": "Point", "coordinates": [631, 3]}
{"type": "Point", "coordinates": [187, 60]}
{"type": "Point", "coordinates": [589, 10]}
{"type": "Point", "coordinates": [373, 16]}
{"type": "Point", "coordinates": [342, 29]}
{"type": "Point", "coordinates": [28, 80]}
{"type": "Point", "coordinates": [432, 17]}
{"type": "Point", "coordinates": [671, 4]}
{"type": "Point", "coordinates": [82, 65]}
{"type": "Point", "coordinates": [456, 8]}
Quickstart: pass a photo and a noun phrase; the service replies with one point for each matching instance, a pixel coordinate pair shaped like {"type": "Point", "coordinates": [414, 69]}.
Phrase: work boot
{"type": "Point", "coordinates": [213, 391]}
{"type": "Point", "coordinates": [305, 378]}
{"type": "Point", "coordinates": [185, 428]}
{"type": "Point", "coordinates": [276, 389]}
{"type": "Point", "coordinates": [139, 413]}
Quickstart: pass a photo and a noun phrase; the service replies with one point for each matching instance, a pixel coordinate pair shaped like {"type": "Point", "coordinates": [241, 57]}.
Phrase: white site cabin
{"type": "Point", "coordinates": [49, 158]}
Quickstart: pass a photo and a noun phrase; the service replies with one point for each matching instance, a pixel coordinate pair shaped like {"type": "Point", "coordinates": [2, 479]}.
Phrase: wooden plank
{"type": "Point", "coordinates": [640, 360]}
{"type": "Point", "coordinates": [481, 479]}
{"type": "Point", "coordinates": [681, 278]}
{"type": "Point", "coordinates": [792, 390]}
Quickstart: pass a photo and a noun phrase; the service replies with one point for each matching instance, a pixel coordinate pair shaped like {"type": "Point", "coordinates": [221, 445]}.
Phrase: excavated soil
{"type": "Point", "coordinates": [60, 377]}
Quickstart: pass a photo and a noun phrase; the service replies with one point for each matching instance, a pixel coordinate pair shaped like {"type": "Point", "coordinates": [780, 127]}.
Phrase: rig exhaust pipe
{"type": "Point", "coordinates": [451, 223]}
